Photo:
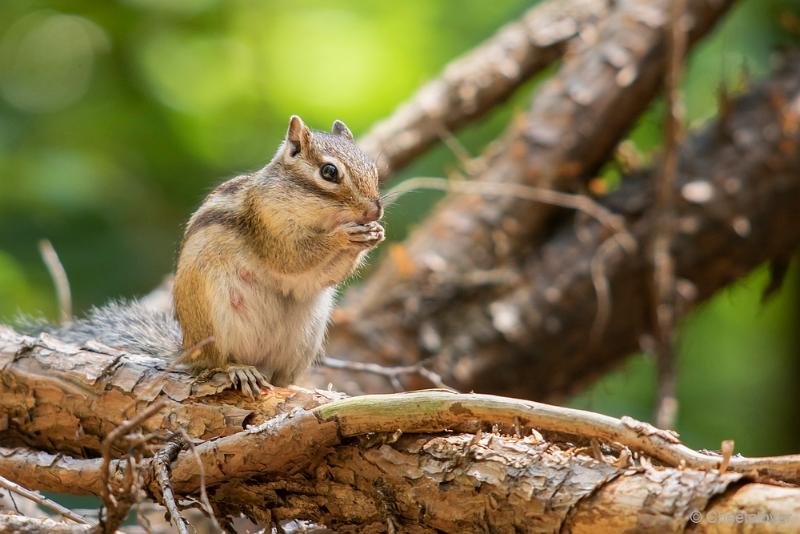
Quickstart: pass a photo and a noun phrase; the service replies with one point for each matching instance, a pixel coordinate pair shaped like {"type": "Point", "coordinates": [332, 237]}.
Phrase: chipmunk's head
{"type": "Point", "coordinates": [339, 180]}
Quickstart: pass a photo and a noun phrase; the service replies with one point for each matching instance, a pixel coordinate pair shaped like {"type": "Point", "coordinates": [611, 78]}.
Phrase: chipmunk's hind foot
{"type": "Point", "coordinates": [248, 379]}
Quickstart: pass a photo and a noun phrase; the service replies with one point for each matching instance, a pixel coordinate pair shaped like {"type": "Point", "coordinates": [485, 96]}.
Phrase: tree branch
{"type": "Point", "coordinates": [44, 502]}
{"type": "Point", "coordinates": [473, 84]}
{"type": "Point", "coordinates": [161, 465]}
{"type": "Point", "coordinates": [58, 387]}
{"type": "Point", "coordinates": [17, 524]}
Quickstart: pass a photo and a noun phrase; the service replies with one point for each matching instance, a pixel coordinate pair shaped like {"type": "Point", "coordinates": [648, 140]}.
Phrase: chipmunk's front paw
{"type": "Point", "coordinates": [248, 379]}
{"type": "Point", "coordinates": [364, 235]}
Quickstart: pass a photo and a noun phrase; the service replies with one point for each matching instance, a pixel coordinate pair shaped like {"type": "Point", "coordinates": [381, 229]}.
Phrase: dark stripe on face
{"type": "Point", "coordinates": [310, 187]}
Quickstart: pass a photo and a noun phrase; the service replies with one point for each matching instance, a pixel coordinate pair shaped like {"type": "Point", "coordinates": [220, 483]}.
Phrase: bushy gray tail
{"type": "Point", "coordinates": [124, 325]}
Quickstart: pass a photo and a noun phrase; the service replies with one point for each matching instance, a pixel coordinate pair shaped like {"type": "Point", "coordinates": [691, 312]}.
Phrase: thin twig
{"type": "Point", "coordinates": [116, 510]}
{"type": "Point", "coordinates": [59, 277]}
{"type": "Point", "coordinates": [468, 163]}
{"type": "Point", "coordinates": [204, 500]}
{"type": "Point", "coordinates": [552, 197]}
{"type": "Point", "coordinates": [663, 292]}
{"type": "Point", "coordinates": [434, 378]}
{"type": "Point", "coordinates": [14, 502]}
{"type": "Point", "coordinates": [390, 372]}
{"type": "Point", "coordinates": [43, 501]}
{"type": "Point", "coordinates": [122, 430]}
{"type": "Point", "coordinates": [601, 290]}
{"type": "Point", "coordinates": [582, 203]}
{"type": "Point", "coordinates": [161, 466]}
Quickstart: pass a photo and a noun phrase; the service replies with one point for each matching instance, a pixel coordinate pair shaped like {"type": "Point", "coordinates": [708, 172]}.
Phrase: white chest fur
{"type": "Point", "coordinates": [257, 324]}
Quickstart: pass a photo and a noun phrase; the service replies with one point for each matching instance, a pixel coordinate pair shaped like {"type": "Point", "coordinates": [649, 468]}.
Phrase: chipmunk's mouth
{"type": "Point", "coordinates": [369, 212]}
{"type": "Point", "coordinates": [373, 212]}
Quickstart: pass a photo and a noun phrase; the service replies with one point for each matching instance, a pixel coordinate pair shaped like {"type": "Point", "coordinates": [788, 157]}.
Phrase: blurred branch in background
{"type": "Point", "coordinates": [736, 192]}
{"type": "Point", "coordinates": [573, 125]}
{"type": "Point", "coordinates": [60, 280]}
{"type": "Point", "coordinates": [474, 84]}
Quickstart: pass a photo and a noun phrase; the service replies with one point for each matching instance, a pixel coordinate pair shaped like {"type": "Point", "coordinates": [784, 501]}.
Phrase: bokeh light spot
{"type": "Point", "coordinates": [47, 59]}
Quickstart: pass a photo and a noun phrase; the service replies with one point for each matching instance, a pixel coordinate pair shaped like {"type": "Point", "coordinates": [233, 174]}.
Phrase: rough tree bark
{"type": "Point", "coordinates": [417, 462]}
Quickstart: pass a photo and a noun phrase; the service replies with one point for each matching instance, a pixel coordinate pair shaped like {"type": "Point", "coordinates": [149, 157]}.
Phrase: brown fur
{"type": "Point", "coordinates": [199, 348]}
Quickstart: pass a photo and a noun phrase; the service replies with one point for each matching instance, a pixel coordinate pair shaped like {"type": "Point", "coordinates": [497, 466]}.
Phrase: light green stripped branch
{"type": "Point", "coordinates": [431, 411]}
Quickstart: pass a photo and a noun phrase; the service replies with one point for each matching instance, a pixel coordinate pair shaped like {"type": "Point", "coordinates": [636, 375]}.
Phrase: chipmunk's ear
{"type": "Point", "coordinates": [340, 128]}
{"type": "Point", "coordinates": [298, 137]}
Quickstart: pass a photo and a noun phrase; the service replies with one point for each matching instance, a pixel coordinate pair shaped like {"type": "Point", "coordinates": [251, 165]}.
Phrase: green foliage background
{"type": "Point", "coordinates": [116, 117]}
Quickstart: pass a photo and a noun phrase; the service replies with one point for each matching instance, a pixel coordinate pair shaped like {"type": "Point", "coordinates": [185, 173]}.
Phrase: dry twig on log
{"type": "Point", "coordinates": [43, 501]}
{"type": "Point", "coordinates": [161, 464]}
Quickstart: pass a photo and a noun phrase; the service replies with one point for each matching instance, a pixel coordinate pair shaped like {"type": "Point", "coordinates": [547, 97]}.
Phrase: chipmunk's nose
{"type": "Point", "coordinates": [375, 211]}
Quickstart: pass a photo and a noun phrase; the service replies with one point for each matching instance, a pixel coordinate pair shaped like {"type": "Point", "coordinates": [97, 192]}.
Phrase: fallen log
{"type": "Point", "coordinates": [371, 463]}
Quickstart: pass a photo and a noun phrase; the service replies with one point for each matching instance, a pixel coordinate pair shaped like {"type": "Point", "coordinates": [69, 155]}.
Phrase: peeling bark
{"type": "Point", "coordinates": [461, 483]}
{"type": "Point", "coordinates": [671, 508]}
{"type": "Point", "coordinates": [67, 398]}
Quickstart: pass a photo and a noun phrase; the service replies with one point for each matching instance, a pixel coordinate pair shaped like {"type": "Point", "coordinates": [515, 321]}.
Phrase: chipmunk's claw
{"type": "Point", "coordinates": [248, 379]}
{"type": "Point", "coordinates": [369, 234]}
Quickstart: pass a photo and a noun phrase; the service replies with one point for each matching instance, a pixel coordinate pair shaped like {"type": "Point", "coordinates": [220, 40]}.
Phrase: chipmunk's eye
{"type": "Point", "coordinates": [330, 173]}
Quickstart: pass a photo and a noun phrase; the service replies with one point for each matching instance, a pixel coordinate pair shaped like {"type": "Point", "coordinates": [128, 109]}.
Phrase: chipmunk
{"type": "Point", "coordinates": [259, 264]}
